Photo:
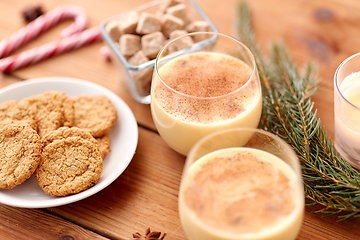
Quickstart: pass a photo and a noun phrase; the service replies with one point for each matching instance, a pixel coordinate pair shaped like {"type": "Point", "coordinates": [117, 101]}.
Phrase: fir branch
{"type": "Point", "coordinates": [288, 111]}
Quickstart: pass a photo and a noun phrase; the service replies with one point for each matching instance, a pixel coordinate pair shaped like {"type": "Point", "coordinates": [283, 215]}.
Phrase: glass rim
{"type": "Point", "coordinates": [156, 70]}
{"type": "Point", "coordinates": [337, 87]}
{"type": "Point", "coordinates": [282, 142]}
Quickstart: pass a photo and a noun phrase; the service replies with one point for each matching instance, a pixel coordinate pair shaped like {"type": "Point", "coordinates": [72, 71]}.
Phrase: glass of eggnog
{"type": "Point", "coordinates": [203, 82]}
{"type": "Point", "coordinates": [241, 184]}
{"type": "Point", "coordinates": [347, 110]}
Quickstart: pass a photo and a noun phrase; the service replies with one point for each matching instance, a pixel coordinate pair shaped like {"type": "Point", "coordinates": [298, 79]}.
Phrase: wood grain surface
{"type": "Point", "coordinates": [145, 195]}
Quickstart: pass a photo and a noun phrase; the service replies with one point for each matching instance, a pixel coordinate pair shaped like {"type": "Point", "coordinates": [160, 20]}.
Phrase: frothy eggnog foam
{"type": "Point", "coordinates": [239, 191]}
{"type": "Point", "coordinates": [206, 75]}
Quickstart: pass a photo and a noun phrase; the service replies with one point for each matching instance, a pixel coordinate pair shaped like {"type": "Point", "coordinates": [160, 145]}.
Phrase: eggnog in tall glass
{"type": "Point", "coordinates": [204, 87]}
{"type": "Point", "coordinates": [241, 184]}
{"type": "Point", "coordinates": [347, 110]}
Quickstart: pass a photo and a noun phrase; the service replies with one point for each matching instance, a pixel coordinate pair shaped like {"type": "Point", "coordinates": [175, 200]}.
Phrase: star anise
{"type": "Point", "coordinates": [149, 235]}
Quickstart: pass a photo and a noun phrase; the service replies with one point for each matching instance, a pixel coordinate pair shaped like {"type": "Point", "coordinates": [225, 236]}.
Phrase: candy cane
{"type": "Point", "coordinates": [35, 55]}
{"type": "Point", "coordinates": [43, 23]}
{"type": "Point", "coordinates": [73, 37]}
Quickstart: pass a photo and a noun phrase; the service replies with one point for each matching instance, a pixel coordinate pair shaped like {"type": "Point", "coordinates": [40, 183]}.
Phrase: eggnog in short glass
{"type": "Point", "coordinates": [241, 184]}
{"type": "Point", "coordinates": [347, 110]}
{"type": "Point", "coordinates": [203, 87]}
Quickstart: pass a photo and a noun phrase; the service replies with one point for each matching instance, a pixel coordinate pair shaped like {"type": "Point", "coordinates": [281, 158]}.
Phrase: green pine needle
{"type": "Point", "coordinates": [288, 111]}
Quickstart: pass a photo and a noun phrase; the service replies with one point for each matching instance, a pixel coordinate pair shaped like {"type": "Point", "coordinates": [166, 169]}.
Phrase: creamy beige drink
{"type": "Point", "coordinates": [200, 93]}
{"type": "Point", "coordinates": [240, 193]}
{"type": "Point", "coordinates": [347, 120]}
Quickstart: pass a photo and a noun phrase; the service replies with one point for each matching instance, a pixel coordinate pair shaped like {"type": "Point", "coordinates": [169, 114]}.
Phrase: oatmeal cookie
{"type": "Point", "coordinates": [104, 145]}
{"type": "Point", "coordinates": [20, 152]}
{"type": "Point", "coordinates": [66, 132]}
{"type": "Point", "coordinates": [69, 166]}
{"type": "Point", "coordinates": [49, 115]}
{"type": "Point", "coordinates": [95, 113]}
{"type": "Point", "coordinates": [67, 106]}
{"type": "Point", "coordinates": [13, 112]}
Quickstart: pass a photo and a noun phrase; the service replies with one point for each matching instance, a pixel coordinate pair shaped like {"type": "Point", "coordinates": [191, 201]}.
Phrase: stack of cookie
{"type": "Point", "coordinates": [61, 140]}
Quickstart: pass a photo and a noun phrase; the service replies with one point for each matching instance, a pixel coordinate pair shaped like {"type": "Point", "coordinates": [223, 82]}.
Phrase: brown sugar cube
{"type": "Point", "coordinates": [142, 77]}
{"type": "Point", "coordinates": [113, 29]}
{"type": "Point", "coordinates": [177, 33]}
{"type": "Point", "coordinates": [166, 50]}
{"type": "Point", "coordinates": [181, 43]}
{"type": "Point", "coordinates": [171, 23]}
{"type": "Point", "coordinates": [138, 58]}
{"type": "Point", "coordinates": [148, 23]}
{"type": "Point", "coordinates": [128, 22]}
{"type": "Point", "coordinates": [143, 80]}
{"type": "Point", "coordinates": [179, 11]}
{"type": "Point", "coordinates": [152, 43]}
{"type": "Point", "coordinates": [199, 26]}
{"type": "Point", "coordinates": [129, 44]}
{"type": "Point", "coordinates": [169, 3]}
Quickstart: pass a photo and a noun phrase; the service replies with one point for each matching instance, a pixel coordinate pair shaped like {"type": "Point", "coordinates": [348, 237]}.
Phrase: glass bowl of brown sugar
{"type": "Point", "coordinates": [136, 36]}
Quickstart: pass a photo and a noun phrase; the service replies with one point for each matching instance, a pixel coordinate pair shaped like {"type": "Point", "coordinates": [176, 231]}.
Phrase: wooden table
{"type": "Point", "coordinates": [145, 195]}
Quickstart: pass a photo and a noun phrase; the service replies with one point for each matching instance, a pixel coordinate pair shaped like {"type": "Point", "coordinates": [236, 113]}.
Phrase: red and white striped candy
{"type": "Point", "coordinates": [45, 51]}
{"type": "Point", "coordinates": [73, 37]}
{"type": "Point", "coordinates": [43, 23]}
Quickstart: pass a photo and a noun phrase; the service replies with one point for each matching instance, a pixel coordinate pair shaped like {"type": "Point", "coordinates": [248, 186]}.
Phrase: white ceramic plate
{"type": "Point", "coordinates": [124, 139]}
